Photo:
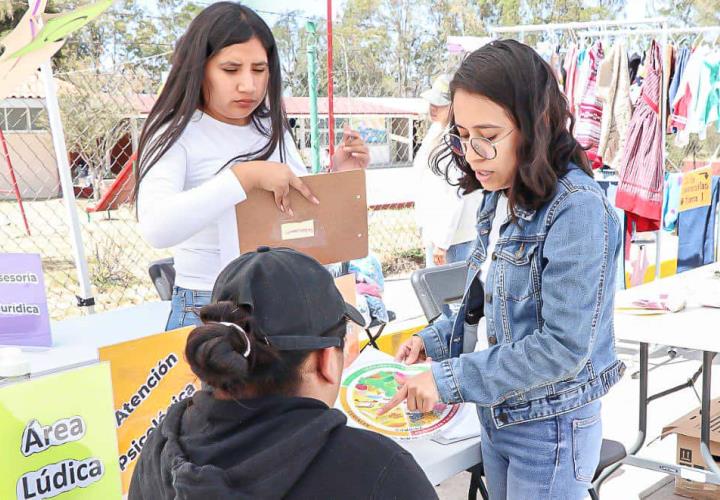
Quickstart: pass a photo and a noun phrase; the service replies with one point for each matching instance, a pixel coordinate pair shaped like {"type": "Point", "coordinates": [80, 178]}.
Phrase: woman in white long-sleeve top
{"type": "Point", "coordinates": [217, 131]}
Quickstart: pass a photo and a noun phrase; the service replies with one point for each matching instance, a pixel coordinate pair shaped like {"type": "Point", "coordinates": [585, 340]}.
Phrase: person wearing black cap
{"type": "Point", "coordinates": [271, 347]}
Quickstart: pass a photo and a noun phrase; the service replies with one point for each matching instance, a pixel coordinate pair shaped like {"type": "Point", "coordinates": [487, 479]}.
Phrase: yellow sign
{"type": "Point", "coordinates": [148, 375]}
{"type": "Point", "coordinates": [696, 189]}
{"type": "Point", "coordinates": [56, 435]}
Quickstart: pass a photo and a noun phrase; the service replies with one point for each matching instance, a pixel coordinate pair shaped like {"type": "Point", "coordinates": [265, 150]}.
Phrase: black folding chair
{"type": "Point", "coordinates": [162, 274]}
{"type": "Point", "coordinates": [379, 327]}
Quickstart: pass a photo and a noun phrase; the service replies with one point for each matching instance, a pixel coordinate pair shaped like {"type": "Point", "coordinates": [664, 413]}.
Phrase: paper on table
{"type": "Point", "coordinates": [464, 426]}
{"type": "Point", "coordinates": [654, 304]}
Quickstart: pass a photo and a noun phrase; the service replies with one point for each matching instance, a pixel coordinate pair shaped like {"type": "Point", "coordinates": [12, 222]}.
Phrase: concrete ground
{"type": "Point", "coordinates": [620, 409]}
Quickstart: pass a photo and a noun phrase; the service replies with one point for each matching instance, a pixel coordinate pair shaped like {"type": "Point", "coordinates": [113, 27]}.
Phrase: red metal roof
{"type": "Point", "coordinates": [342, 106]}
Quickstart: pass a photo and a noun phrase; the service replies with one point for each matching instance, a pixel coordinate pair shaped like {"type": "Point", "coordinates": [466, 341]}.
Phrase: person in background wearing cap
{"type": "Point", "coordinates": [271, 345]}
{"type": "Point", "coordinates": [445, 211]}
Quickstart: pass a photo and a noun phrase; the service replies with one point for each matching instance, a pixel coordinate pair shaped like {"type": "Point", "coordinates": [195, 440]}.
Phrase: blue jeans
{"type": "Point", "coordinates": [696, 233]}
{"type": "Point", "coordinates": [553, 458]}
{"type": "Point", "coordinates": [183, 305]}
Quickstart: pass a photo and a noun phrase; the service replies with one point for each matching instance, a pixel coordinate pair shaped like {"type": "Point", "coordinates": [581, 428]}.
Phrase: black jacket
{"type": "Point", "coordinates": [270, 448]}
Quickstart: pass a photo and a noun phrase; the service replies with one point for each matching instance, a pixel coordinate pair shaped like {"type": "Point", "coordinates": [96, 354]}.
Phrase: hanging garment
{"type": "Point", "coordinates": [613, 88]}
{"type": "Point", "coordinates": [671, 201]}
{"type": "Point", "coordinates": [707, 104]}
{"type": "Point", "coordinates": [680, 64]}
{"type": "Point", "coordinates": [570, 76]}
{"type": "Point", "coordinates": [684, 117]}
{"type": "Point", "coordinates": [590, 109]}
{"type": "Point", "coordinates": [668, 65]}
{"type": "Point", "coordinates": [583, 73]}
{"type": "Point", "coordinates": [557, 68]}
{"type": "Point", "coordinates": [640, 189]}
{"type": "Point", "coordinates": [696, 233]}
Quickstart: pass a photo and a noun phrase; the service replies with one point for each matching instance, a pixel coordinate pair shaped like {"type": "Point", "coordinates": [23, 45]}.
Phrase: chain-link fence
{"type": "Point", "coordinates": [102, 115]}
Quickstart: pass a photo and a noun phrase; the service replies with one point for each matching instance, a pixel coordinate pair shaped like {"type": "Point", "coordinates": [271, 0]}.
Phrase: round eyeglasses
{"type": "Point", "coordinates": [484, 148]}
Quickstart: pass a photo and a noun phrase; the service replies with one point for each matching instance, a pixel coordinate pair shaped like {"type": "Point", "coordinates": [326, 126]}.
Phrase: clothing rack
{"type": "Point", "coordinates": [572, 26]}
{"type": "Point", "coordinates": [647, 31]}
{"type": "Point", "coordinates": [663, 31]}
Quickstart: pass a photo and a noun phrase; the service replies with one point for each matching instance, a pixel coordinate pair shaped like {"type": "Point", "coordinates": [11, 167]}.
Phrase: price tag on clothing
{"type": "Point", "coordinates": [696, 189]}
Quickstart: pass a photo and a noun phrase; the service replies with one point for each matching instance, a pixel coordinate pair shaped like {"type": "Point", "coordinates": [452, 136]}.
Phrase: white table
{"type": "Point", "coordinates": [76, 340]}
{"type": "Point", "coordinates": [438, 461]}
{"type": "Point", "coordinates": [696, 328]}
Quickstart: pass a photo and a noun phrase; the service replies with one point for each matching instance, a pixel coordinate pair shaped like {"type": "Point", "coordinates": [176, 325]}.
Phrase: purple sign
{"type": "Point", "coordinates": [24, 318]}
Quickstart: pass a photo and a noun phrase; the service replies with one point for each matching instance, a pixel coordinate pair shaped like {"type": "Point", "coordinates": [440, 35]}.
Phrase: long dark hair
{"type": "Point", "coordinates": [218, 26]}
{"type": "Point", "coordinates": [516, 78]}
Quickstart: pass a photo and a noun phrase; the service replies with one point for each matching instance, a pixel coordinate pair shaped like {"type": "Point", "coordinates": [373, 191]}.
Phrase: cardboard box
{"type": "Point", "coordinates": [687, 429]}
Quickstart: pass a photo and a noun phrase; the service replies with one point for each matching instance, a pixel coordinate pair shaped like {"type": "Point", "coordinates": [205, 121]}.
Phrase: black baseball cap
{"type": "Point", "coordinates": [291, 296]}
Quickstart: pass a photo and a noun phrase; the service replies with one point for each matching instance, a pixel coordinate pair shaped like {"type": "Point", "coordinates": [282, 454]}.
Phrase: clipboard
{"type": "Point", "coordinates": [334, 231]}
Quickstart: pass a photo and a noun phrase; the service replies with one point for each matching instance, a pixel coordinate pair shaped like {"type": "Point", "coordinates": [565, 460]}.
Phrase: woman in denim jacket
{"type": "Point", "coordinates": [532, 345]}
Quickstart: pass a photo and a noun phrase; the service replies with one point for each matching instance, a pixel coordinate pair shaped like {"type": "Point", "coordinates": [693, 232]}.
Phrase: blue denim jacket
{"type": "Point", "coordinates": [548, 302]}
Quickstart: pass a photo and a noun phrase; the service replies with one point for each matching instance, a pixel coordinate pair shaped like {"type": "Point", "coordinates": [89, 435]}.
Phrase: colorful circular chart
{"type": "Point", "coordinates": [364, 391]}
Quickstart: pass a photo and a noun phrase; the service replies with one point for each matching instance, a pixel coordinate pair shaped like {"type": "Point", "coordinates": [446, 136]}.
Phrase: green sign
{"type": "Point", "coordinates": [57, 28]}
{"type": "Point", "coordinates": [58, 437]}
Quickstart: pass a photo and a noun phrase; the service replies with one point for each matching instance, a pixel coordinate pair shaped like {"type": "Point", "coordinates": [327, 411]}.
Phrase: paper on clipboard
{"type": "Point", "coordinates": [334, 231]}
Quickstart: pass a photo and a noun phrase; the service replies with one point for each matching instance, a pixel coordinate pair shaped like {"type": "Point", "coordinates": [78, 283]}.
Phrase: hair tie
{"type": "Point", "coordinates": [243, 333]}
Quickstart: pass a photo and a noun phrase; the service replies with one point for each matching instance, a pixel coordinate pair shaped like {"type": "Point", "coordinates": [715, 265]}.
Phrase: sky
{"type": "Point", "coordinates": [633, 9]}
{"type": "Point", "coordinates": [315, 8]}
{"type": "Point", "coordinates": [318, 8]}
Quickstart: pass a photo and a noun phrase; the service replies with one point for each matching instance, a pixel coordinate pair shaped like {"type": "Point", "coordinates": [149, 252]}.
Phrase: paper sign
{"type": "Point", "coordinates": [297, 230]}
{"type": "Point", "coordinates": [24, 316]}
{"type": "Point", "coordinates": [696, 189]}
{"type": "Point", "coordinates": [57, 437]}
{"type": "Point", "coordinates": [149, 375]}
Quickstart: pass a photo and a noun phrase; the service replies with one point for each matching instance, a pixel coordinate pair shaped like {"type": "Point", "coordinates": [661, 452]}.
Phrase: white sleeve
{"type": "Point", "coordinates": [447, 219]}
{"type": "Point", "coordinates": [448, 211]}
{"type": "Point", "coordinates": [168, 214]}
